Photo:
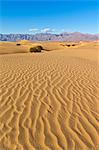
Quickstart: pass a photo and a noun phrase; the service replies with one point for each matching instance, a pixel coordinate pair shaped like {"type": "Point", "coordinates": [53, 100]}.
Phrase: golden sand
{"type": "Point", "coordinates": [49, 100]}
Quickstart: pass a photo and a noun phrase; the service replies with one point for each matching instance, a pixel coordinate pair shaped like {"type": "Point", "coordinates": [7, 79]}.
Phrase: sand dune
{"type": "Point", "coordinates": [49, 100]}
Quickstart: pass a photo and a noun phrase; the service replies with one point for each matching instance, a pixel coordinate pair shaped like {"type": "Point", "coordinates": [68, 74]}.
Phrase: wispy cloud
{"type": "Point", "coordinates": [44, 30]}
{"type": "Point", "coordinates": [34, 30]}
{"type": "Point", "coordinates": [62, 30]}
{"type": "Point", "coordinates": [47, 30]}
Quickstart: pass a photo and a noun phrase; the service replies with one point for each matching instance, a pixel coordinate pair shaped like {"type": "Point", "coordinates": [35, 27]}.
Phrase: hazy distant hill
{"type": "Point", "coordinates": [76, 36]}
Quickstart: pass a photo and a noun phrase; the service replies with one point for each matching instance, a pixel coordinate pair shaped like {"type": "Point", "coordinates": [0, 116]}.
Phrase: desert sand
{"type": "Point", "coordinates": [49, 100]}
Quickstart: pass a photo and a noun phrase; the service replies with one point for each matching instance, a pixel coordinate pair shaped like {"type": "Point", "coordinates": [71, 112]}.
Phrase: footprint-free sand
{"type": "Point", "coordinates": [49, 100]}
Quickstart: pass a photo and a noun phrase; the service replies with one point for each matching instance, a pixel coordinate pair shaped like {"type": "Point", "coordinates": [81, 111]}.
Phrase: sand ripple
{"type": "Point", "coordinates": [48, 102]}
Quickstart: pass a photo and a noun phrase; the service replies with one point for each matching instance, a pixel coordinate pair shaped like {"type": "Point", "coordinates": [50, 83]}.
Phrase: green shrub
{"type": "Point", "coordinates": [18, 44]}
{"type": "Point", "coordinates": [68, 45]}
{"type": "Point", "coordinates": [36, 49]}
{"type": "Point", "coordinates": [73, 45]}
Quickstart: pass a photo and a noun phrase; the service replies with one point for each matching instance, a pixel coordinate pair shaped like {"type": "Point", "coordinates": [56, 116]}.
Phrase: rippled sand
{"type": "Point", "coordinates": [49, 100]}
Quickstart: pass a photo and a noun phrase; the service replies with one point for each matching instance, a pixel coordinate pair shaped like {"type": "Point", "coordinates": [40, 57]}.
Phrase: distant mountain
{"type": "Point", "coordinates": [75, 36]}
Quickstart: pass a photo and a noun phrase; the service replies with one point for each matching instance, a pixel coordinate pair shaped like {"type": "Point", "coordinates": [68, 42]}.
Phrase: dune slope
{"type": "Point", "coordinates": [49, 101]}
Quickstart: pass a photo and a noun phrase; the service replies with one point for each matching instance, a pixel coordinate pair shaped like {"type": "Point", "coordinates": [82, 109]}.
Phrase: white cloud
{"type": "Point", "coordinates": [62, 30]}
{"type": "Point", "coordinates": [34, 30]}
{"type": "Point", "coordinates": [47, 30]}
{"type": "Point", "coordinates": [44, 30]}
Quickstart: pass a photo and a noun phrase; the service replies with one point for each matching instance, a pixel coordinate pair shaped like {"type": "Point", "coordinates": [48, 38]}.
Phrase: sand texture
{"type": "Point", "coordinates": [49, 100]}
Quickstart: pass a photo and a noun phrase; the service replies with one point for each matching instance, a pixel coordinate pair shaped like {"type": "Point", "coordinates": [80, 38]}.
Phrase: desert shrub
{"type": "Point", "coordinates": [68, 45]}
{"type": "Point", "coordinates": [36, 49]}
{"type": "Point", "coordinates": [73, 45]}
{"type": "Point", "coordinates": [18, 44]}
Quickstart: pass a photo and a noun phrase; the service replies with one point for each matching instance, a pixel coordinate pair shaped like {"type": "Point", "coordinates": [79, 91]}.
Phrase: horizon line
{"type": "Point", "coordinates": [52, 33]}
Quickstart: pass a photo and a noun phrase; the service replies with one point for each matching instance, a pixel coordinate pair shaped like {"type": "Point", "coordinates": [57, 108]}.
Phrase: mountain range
{"type": "Point", "coordinates": [75, 36]}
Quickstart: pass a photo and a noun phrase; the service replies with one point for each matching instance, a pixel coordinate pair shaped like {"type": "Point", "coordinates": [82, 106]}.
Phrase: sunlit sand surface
{"type": "Point", "coordinates": [49, 100]}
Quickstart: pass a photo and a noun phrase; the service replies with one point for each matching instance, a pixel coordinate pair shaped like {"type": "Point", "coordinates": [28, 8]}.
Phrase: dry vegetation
{"type": "Point", "coordinates": [49, 100]}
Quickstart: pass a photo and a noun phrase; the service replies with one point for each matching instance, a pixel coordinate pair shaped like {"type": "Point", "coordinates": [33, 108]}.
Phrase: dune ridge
{"type": "Point", "coordinates": [49, 101]}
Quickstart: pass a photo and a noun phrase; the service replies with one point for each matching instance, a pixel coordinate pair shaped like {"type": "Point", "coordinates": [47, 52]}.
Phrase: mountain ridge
{"type": "Point", "coordinates": [66, 36]}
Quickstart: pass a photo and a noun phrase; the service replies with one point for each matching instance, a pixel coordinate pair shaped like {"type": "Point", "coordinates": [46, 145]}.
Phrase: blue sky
{"type": "Point", "coordinates": [55, 16]}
